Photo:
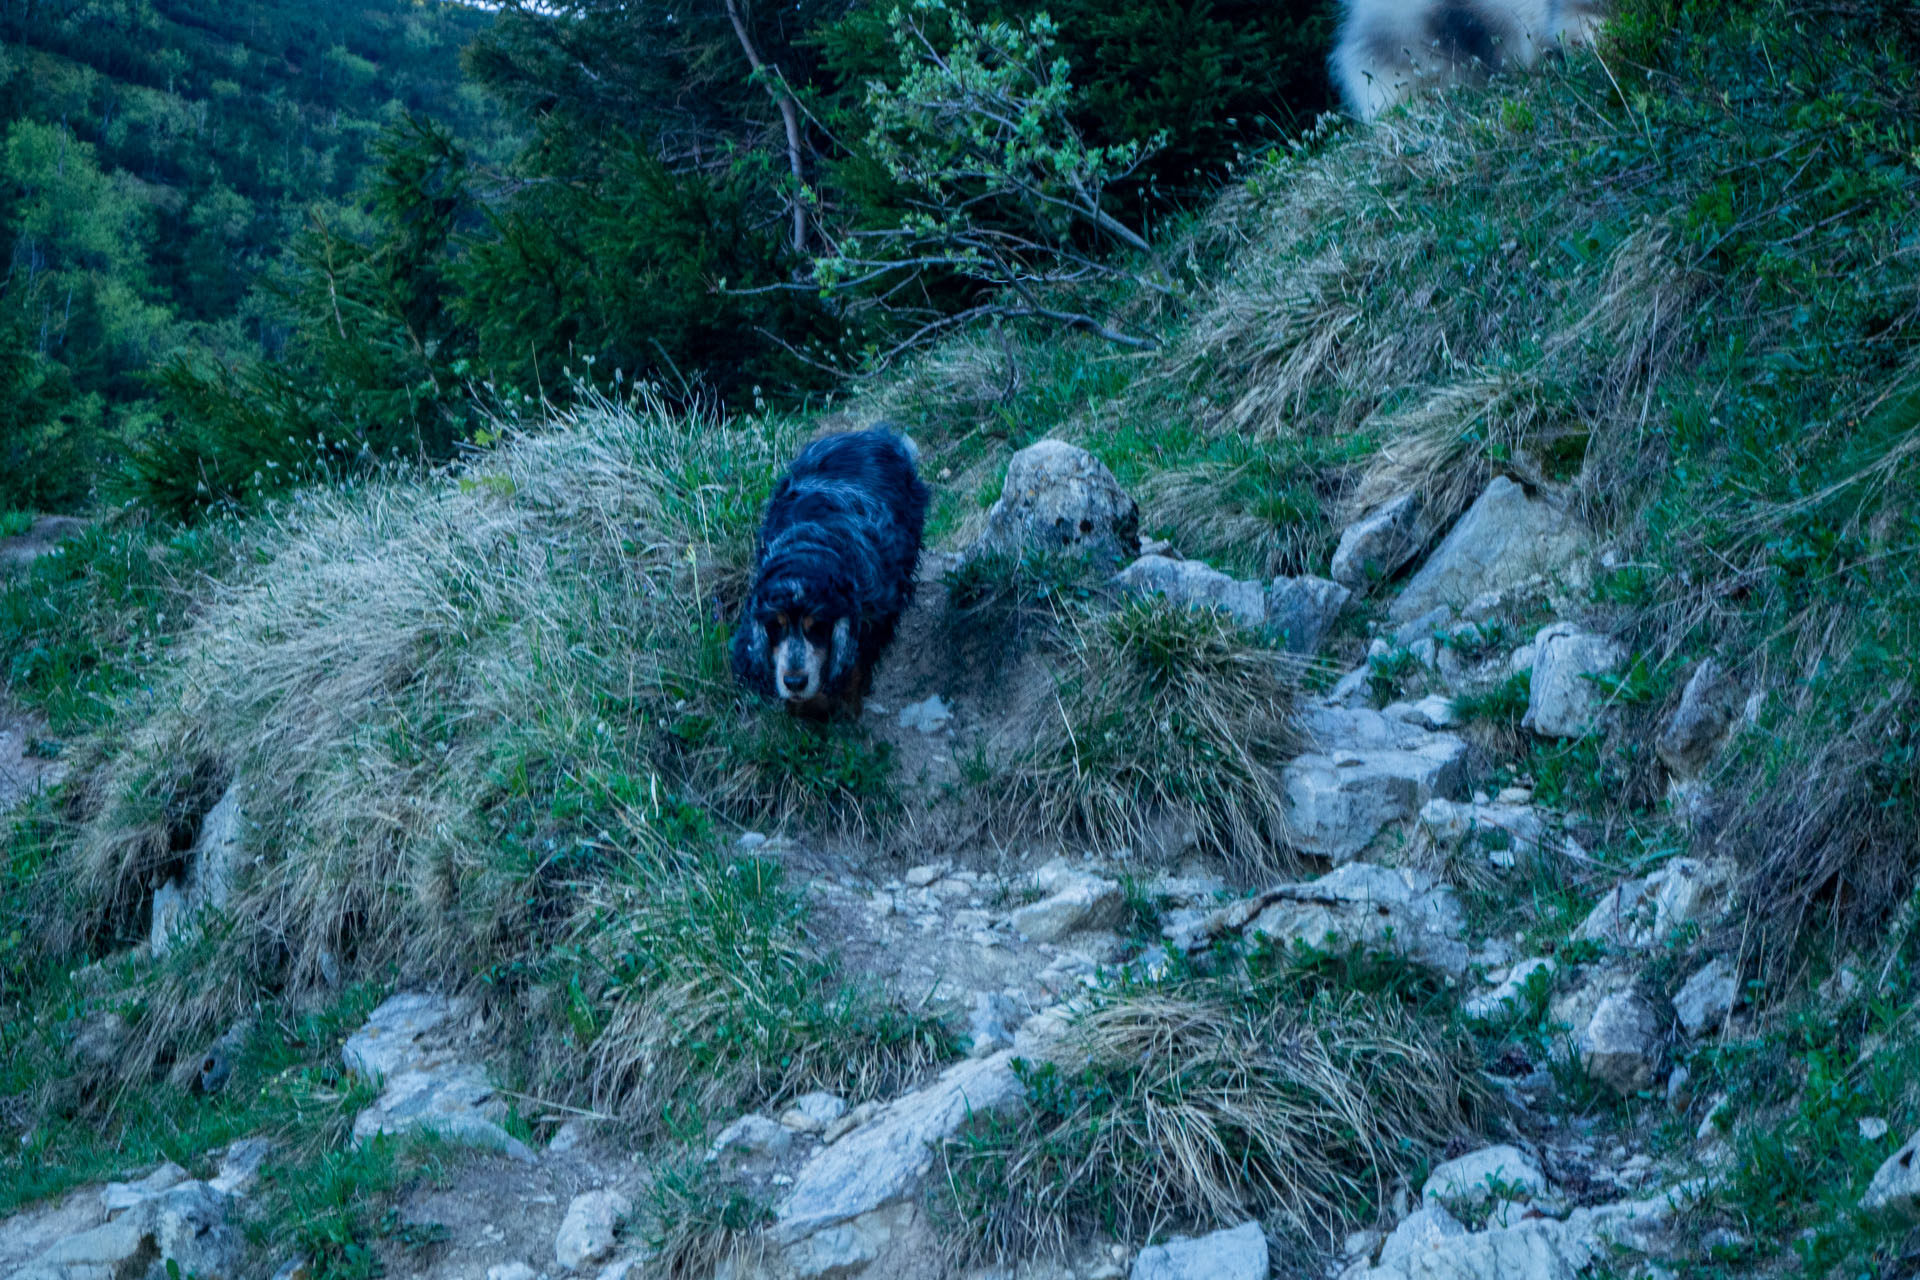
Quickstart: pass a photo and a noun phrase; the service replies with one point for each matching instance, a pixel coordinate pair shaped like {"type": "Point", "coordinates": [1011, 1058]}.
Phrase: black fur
{"type": "Point", "coordinates": [840, 541]}
{"type": "Point", "coordinates": [1462, 34]}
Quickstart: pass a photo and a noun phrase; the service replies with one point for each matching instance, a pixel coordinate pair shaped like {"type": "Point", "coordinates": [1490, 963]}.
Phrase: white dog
{"type": "Point", "coordinates": [1388, 48]}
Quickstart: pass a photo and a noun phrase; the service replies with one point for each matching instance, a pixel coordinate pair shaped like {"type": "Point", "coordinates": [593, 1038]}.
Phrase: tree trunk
{"type": "Point", "coordinates": [790, 114]}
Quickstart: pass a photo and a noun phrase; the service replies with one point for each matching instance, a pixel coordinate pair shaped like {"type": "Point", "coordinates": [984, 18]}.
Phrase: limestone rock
{"type": "Point", "coordinates": [1706, 998]}
{"type": "Point", "coordinates": [1419, 1234]}
{"type": "Point", "coordinates": [118, 1196]}
{"type": "Point", "coordinates": [1075, 900]}
{"type": "Point", "coordinates": [182, 1230]}
{"type": "Point", "coordinates": [453, 1101]}
{"type": "Point", "coordinates": [1621, 1044]}
{"type": "Point", "coordinates": [1505, 538]}
{"type": "Point", "coordinates": [1492, 1176]}
{"type": "Point", "coordinates": [813, 1112]}
{"type": "Point", "coordinates": [1505, 1000]}
{"type": "Point", "coordinates": [1196, 586]}
{"type": "Point", "coordinates": [1505, 830]}
{"type": "Point", "coordinates": [1693, 734]}
{"type": "Point", "coordinates": [1636, 914]}
{"type": "Point", "coordinates": [586, 1234]}
{"type": "Point", "coordinates": [882, 1163]}
{"type": "Point", "coordinates": [511, 1271]}
{"type": "Point", "coordinates": [752, 1145]}
{"type": "Point", "coordinates": [1562, 699]}
{"type": "Point", "coordinates": [1059, 497]}
{"type": "Point", "coordinates": [1409, 911]}
{"type": "Point", "coordinates": [1376, 546]}
{"type": "Point", "coordinates": [1302, 610]}
{"type": "Point", "coordinates": [207, 882]}
{"type": "Point", "coordinates": [1238, 1254]}
{"type": "Point", "coordinates": [241, 1165]}
{"type": "Point", "coordinates": [400, 1035]}
{"type": "Point", "coordinates": [1431, 1245]}
{"type": "Point", "coordinates": [1896, 1184]}
{"type": "Point", "coordinates": [992, 1022]}
{"type": "Point", "coordinates": [1365, 772]}
{"type": "Point", "coordinates": [1431, 712]}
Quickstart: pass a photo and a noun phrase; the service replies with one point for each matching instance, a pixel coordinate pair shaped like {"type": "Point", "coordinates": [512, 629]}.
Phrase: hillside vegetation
{"type": "Point", "coordinates": [479, 720]}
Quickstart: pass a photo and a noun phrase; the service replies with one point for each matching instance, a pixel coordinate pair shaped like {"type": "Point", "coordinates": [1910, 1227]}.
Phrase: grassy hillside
{"type": "Point", "coordinates": [484, 718]}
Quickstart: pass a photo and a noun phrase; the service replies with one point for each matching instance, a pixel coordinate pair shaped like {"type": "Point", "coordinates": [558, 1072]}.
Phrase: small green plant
{"type": "Point", "coordinates": [693, 1221]}
{"type": "Point", "coordinates": [15, 523]}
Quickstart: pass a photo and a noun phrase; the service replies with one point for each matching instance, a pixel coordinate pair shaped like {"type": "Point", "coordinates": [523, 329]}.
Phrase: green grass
{"type": "Point", "coordinates": [15, 523]}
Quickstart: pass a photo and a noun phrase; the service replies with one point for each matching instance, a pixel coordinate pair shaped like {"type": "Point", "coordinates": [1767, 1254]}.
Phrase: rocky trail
{"type": "Point", "coordinates": [1404, 852]}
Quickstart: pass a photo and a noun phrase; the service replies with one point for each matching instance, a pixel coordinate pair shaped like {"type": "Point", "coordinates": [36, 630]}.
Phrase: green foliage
{"type": "Point", "coordinates": [155, 163]}
{"type": "Point", "coordinates": [999, 188]}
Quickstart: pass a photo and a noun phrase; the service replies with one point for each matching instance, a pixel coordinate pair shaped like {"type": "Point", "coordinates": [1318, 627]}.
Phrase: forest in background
{"type": "Point", "coordinates": [250, 243]}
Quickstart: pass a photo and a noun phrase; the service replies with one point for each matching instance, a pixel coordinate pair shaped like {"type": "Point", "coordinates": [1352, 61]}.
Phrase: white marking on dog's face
{"type": "Point", "coordinates": [801, 653]}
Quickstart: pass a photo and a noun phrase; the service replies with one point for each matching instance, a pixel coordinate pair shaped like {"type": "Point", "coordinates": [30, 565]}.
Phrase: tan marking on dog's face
{"type": "Point", "coordinates": [800, 658]}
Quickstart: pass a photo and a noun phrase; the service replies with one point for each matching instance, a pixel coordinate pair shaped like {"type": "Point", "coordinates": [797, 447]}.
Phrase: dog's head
{"type": "Point", "coordinates": [795, 640]}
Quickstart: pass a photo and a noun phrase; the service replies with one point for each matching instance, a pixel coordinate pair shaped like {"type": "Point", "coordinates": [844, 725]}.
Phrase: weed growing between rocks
{"type": "Point", "coordinates": [1286, 1092]}
{"type": "Point", "coordinates": [695, 1222]}
{"type": "Point", "coordinates": [1163, 714]}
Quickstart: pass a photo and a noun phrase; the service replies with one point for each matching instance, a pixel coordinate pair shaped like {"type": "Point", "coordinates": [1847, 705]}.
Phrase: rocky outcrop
{"type": "Point", "coordinates": [1059, 497]}
{"type": "Point", "coordinates": [1364, 772]}
{"type": "Point", "coordinates": [164, 1224]}
{"type": "Point", "coordinates": [1506, 539]}
{"type": "Point", "coordinates": [1400, 909]}
{"type": "Point", "coordinates": [1636, 914]}
{"type": "Point", "coordinates": [410, 1043]}
{"type": "Point", "coordinates": [1501, 1182]}
{"type": "Point", "coordinates": [1237, 1254]}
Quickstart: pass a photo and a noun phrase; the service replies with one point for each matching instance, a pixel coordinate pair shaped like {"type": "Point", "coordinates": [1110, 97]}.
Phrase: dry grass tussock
{"type": "Point", "coordinates": [1162, 714]}
{"type": "Point", "coordinates": [1201, 1106]}
{"type": "Point", "coordinates": [430, 697]}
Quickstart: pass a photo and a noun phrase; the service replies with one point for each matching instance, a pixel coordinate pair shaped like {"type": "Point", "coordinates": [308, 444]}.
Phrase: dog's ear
{"type": "Point", "coordinates": [752, 665]}
{"type": "Point", "coordinates": [842, 654]}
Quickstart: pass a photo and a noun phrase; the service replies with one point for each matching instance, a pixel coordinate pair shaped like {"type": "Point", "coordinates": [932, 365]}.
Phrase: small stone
{"type": "Point", "coordinates": [1080, 902]}
{"type": "Point", "coordinates": [813, 1112]}
{"type": "Point", "coordinates": [1507, 1000]}
{"type": "Point", "coordinates": [240, 1166]}
{"type": "Point", "coordinates": [1621, 1044]}
{"type": "Point", "coordinates": [1238, 1254]}
{"type": "Point", "coordinates": [929, 715]}
{"type": "Point", "coordinates": [1679, 1088]}
{"type": "Point", "coordinates": [1872, 1128]}
{"type": "Point", "coordinates": [1704, 1002]}
{"type": "Point", "coordinates": [752, 1144]}
{"type": "Point", "coordinates": [512, 1271]}
{"type": "Point", "coordinates": [752, 840]}
{"type": "Point", "coordinates": [1709, 706]}
{"type": "Point", "coordinates": [1896, 1184]}
{"type": "Point", "coordinates": [922, 876]}
{"type": "Point", "coordinates": [116, 1196]}
{"type": "Point", "coordinates": [994, 1020]}
{"type": "Point", "coordinates": [587, 1233]}
{"type": "Point", "coordinates": [571, 1135]}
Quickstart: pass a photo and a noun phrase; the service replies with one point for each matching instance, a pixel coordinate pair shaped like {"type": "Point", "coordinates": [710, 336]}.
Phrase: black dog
{"type": "Point", "coordinates": [835, 566]}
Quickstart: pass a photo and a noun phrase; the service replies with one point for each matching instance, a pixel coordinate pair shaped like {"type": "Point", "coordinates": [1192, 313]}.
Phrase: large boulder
{"type": "Point", "coordinates": [181, 1231]}
{"type": "Point", "coordinates": [1238, 1254]}
{"type": "Point", "coordinates": [1059, 497]}
{"type": "Point", "coordinates": [1506, 538]}
{"type": "Point", "coordinates": [1563, 701]}
{"type": "Point", "coordinates": [1196, 585]}
{"type": "Point", "coordinates": [1376, 546]}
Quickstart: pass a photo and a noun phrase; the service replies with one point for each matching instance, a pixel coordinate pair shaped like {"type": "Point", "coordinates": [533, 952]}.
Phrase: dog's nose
{"type": "Point", "coordinates": [795, 681]}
